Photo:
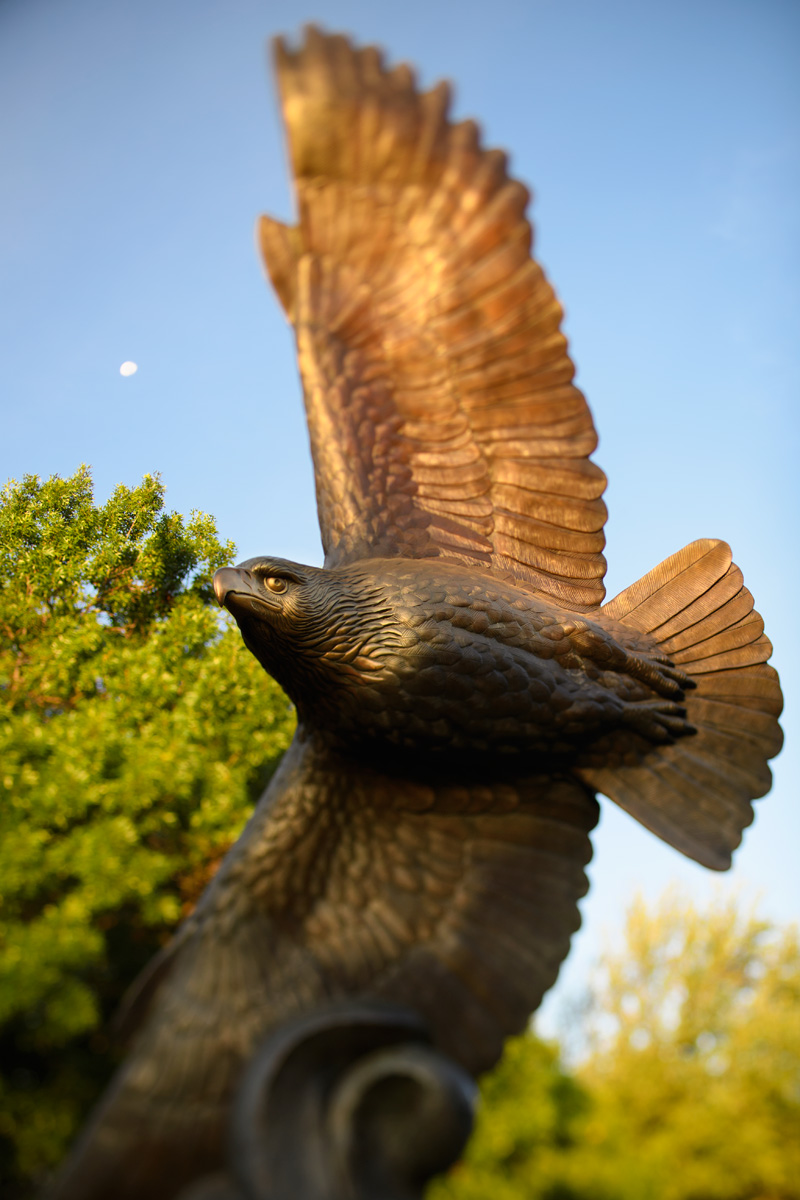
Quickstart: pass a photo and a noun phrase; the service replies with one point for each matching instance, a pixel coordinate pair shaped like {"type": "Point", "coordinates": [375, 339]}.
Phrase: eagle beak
{"type": "Point", "coordinates": [232, 579]}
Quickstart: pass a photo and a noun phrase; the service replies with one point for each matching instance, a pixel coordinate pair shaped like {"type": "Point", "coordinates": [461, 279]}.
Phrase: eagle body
{"type": "Point", "coordinates": [430, 658]}
{"type": "Point", "coordinates": [463, 687]}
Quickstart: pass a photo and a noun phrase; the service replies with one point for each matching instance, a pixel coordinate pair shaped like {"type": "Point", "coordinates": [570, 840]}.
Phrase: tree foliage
{"type": "Point", "coordinates": [530, 1120]}
{"type": "Point", "coordinates": [689, 1089]}
{"type": "Point", "coordinates": [136, 733]}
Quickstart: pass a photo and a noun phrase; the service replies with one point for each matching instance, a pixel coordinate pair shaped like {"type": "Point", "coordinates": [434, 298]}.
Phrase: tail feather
{"type": "Point", "coordinates": [741, 633]}
{"type": "Point", "coordinates": [671, 594]}
{"type": "Point", "coordinates": [759, 728]}
{"type": "Point", "coordinates": [757, 651]}
{"type": "Point", "coordinates": [760, 691]}
{"type": "Point", "coordinates": [696, 793]}
{"type": "Point", "coordinates": [697, 618]}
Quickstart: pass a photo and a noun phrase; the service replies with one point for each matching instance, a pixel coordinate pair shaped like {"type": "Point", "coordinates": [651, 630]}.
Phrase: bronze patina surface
{"type": "Point", "coordinates": [462, 688]}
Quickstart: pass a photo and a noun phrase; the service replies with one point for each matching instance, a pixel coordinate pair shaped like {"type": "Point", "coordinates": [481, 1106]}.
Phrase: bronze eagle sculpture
{"type": "Point", "coordinates": [462, 689]}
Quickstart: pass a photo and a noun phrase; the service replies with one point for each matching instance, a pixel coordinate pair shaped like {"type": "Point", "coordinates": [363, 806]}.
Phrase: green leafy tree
{"type": "Point", "coordinates": [136, 733]}
{"type": "Point", "coordinates": [530, 1116]}
{"type": "Point", "coordinates": [690, 1087]}
{"type": "Point", "coordinates": [695, 1066]}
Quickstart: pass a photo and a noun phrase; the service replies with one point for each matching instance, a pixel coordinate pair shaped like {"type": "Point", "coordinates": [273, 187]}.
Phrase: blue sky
{"type": "Point", "coordinates": [141, 140]}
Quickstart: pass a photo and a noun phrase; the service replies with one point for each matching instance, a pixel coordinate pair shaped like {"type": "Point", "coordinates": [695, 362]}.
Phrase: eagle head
{"type": "Point", "coordinates": [308, 627]}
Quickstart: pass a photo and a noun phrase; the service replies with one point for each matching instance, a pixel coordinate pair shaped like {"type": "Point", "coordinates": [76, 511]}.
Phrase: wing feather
{"type": "Point", "coordinates": [441, 409]}
{"type": "Point", "coordinates": [458, 900]}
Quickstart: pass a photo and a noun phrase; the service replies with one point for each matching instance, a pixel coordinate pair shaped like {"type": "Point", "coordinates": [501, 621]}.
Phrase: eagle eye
{"type": "Point", "coordinates": [275, 583]}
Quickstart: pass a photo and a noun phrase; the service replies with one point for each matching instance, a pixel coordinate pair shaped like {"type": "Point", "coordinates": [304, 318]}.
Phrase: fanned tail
{"type": "Point", "coordinates": [696, 793]}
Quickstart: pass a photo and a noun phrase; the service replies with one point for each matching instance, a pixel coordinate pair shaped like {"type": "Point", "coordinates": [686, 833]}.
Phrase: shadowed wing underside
{"type": "Point", "coordinates": [456, 899]}
{"type": "Point", "coordinates": [441, 409]}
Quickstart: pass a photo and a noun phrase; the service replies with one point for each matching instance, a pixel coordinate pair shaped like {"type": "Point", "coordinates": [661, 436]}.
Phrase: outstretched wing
{"type": "Point", "coordinates": [441, 409]}
{"type": "Point", "coordinates": [457, 900]}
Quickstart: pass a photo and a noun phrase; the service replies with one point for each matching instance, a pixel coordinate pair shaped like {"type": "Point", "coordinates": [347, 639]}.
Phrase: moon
{"type": "Point", "coordinates": [128, 368]}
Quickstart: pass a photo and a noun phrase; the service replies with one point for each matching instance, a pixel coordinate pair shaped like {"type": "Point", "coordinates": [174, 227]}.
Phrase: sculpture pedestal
{"type": "Point", "coordinates": [349, 1103]}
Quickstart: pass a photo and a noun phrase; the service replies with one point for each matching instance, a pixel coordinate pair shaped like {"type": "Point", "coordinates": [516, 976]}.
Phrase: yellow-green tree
{"type": "Point", "coordinates": [690, 1089]}
{"type": "Point", "coordinates": [136, 733]}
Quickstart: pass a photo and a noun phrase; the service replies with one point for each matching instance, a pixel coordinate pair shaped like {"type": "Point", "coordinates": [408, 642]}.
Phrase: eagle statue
{"type": "Point", "coordinates": [462, 687]}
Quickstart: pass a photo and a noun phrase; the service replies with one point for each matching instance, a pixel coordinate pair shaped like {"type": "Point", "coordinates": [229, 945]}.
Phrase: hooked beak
{"type": "Point", "coordinates": [234, 579]}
